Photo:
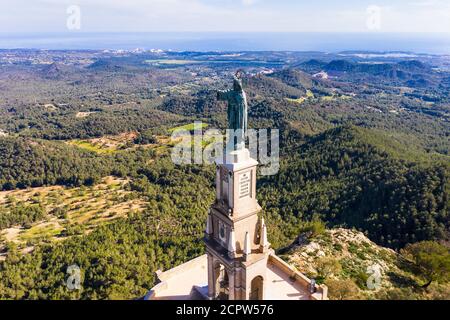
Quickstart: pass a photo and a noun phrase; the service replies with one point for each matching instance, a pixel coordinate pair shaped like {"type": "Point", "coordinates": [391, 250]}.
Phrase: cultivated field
{"type": "Point", "coordinates": [69, 211]}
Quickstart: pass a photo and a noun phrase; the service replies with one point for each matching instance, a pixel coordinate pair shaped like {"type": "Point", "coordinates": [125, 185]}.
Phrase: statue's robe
{"type": "Point", "coordinates": [237, 109]}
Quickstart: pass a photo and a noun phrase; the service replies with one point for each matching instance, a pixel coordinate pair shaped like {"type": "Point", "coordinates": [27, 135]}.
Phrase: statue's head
{"type": "Point", "coordinates": [237, 83]}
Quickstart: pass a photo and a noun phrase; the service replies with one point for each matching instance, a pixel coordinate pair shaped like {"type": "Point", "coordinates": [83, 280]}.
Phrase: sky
{"type": "Point", "coordinates": [224, 15]}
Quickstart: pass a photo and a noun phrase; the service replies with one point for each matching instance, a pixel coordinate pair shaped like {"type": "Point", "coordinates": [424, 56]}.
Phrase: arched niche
{"type": "Point", "coordinates": [256, 288]}
{"type": "Point", "coordinates": [221, 281]}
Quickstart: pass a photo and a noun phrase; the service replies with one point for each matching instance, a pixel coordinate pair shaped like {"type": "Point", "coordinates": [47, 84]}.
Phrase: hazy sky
{"type": "Point", "coordinates": [228, 15]}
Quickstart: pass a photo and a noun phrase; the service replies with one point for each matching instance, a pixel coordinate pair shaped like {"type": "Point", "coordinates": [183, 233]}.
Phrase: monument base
{"type": "Point", "coordinates": [237, 160]}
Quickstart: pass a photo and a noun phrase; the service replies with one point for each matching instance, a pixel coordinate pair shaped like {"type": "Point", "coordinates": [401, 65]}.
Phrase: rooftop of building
{"type": "Point", "coordinates": [189, 281]}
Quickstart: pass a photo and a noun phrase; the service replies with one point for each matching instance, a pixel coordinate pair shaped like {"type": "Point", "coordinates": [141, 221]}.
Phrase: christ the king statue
{"type": "Point", "coordinates": [237, 109]}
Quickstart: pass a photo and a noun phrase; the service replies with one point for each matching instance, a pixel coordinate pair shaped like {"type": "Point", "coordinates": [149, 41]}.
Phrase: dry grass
{"type": "Point", "coordinates": [88, 207]}
{"type": "Point", "coordinates": [81, 115]}
{"type": "Point", "coordinates": [121, 142]}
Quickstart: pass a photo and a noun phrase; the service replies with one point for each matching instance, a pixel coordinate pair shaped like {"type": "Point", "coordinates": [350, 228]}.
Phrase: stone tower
{"type": "Point", "coordinates": [239, 263]}
{"type": "Point", "coordinates": [236, 237]}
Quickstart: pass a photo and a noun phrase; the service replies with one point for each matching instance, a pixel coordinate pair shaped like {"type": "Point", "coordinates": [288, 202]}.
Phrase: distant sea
{"type": "Point", "coordinates": [215, 41]}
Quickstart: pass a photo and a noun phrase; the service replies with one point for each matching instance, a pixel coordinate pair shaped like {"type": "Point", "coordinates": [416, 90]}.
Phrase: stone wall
{"type": "Point", "coordinates": [164, 278]}
{"type": "Point", "coordinates": [321, 290]}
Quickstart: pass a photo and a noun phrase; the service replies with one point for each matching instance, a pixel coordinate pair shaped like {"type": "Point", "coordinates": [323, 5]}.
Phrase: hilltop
{"type": "Point", "coordinates": [348, 255]}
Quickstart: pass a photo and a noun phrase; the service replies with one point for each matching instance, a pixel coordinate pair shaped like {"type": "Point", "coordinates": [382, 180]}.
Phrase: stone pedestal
{"type": "Point", "coordinates": [234, 225]}
{"type": "Point", "coordinates": [236, 183]}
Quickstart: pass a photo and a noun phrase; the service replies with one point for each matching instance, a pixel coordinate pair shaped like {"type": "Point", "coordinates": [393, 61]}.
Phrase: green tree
{"type": "Point", "coordinates": [431, 261]}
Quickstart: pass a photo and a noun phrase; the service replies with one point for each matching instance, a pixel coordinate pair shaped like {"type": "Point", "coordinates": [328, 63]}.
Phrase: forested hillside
{"type": "Point", "coordinates": [86, 176]}
{"type": "Point", "coordinates": [29, 163]}
{"type": "Point", "coordinates": [33, 163]}
{"type": "Point", "coordinates": [118, 261]}
{"type": "Point", "coordinates": [346, 180]}
{"type": "Point", "coordinates": [336, 176]}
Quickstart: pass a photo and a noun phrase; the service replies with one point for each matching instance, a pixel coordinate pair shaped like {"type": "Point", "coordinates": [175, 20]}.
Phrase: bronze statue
{"type": "Point", "coordinates": [237, 107]}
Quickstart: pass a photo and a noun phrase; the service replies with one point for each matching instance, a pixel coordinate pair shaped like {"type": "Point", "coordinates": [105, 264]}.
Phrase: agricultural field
{"type": "Point", "coordinates": [107, 144]}
{"type": "Point", "coordinates": [189, 127]}
{"type": "Point", "coordinates": [126, 141]}
{"type": "Point", "coordinates": [68, 211]}
{"type": "Point", "coordinates": [309, 95]}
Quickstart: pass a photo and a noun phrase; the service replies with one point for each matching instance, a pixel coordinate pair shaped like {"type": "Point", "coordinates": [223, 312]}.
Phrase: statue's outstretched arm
{"type": "Point", "coordinates": [223, 95]}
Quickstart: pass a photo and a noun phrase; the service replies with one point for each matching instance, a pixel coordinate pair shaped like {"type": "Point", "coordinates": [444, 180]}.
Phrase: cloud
{"type": "Point", "coordinates": [224, 15]}
{"type": "Point", "coordinates": [249, 2]}
{"type": "Point", "coordinates": [429, 3]}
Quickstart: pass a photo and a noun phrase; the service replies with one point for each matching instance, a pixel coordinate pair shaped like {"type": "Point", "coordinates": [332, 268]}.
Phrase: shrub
{"type": "Point", "coordinates": [342, 289]}
{"type": "Point", "coordinates": [328, 266]}
{"type": "Point", "coordinates": [314, 227]}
